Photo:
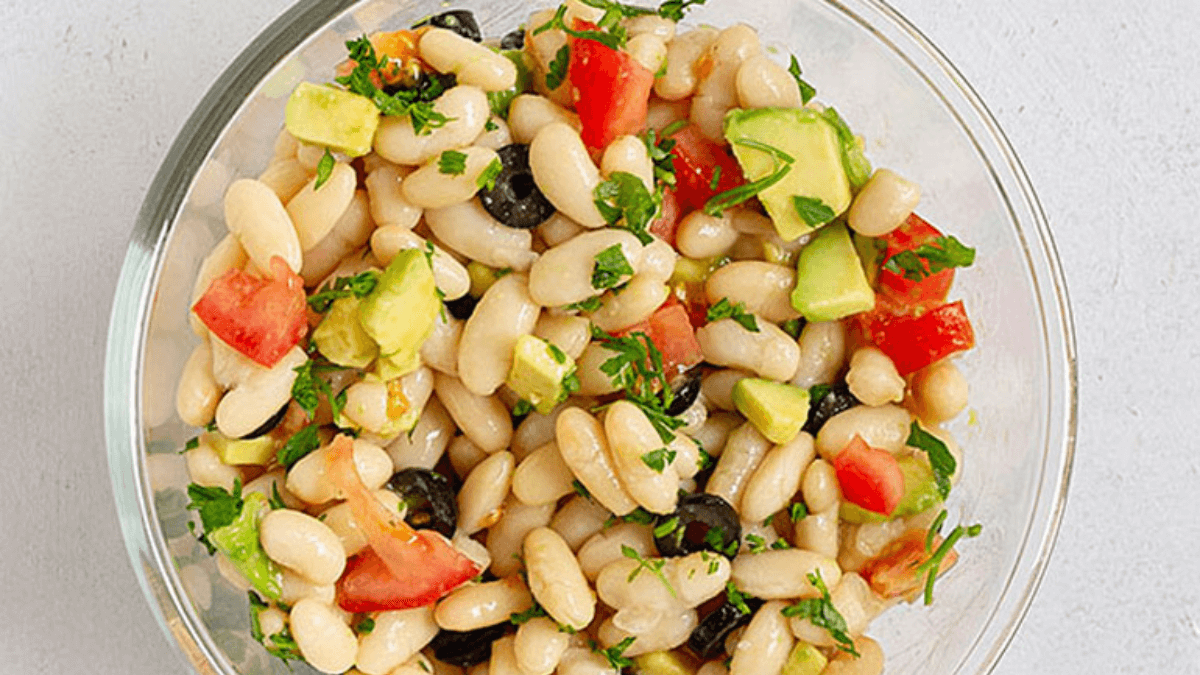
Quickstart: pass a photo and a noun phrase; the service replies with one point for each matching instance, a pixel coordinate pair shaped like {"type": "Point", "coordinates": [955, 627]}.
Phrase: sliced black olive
{"type": "Point", "coordinates": [465, 649]}
{"type": "Point", "coordinates": [513, 40]}
{"type": "Point", "coordinates": [708, 639]}
{"type": "Point", "coordinates": [516, 200]}
{"type": "Point", "coordinates": [460, 21]}
{"type": "Point", "coordinates": [837, 400]}
{"type": "Point", "coordinates": [685, 388]}
{"type": "Point", "coordinates": [272, 422]}
{"type": "Point", "coordinates": [703, 522]}
{"type": "Point", "coordinates": [462, 308]}
{"type": "Point", "coordinates": [429, 497]}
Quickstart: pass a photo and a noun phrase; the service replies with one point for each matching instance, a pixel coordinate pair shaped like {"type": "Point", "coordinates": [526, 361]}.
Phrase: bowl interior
{"type": "Point", "coordinates": [916, 116]}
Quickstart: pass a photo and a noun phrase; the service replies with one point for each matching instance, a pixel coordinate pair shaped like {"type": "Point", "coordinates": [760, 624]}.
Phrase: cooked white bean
{"type": "Point", "coordinates": [563, 274]}
{"type": "Point", "coordinates": [197, 396]}
{"type": "Point", "coordinates": [270, 483]}
{"type": "Point", "coordinates": [703, 236]}
{"type": "Point", "coordinates": [818, 532]}
{"type": "Point", "coordinates": [650, 24]}
{"type": "Point", "coordinates": [770, 352]}
{"type": "Point", "coordinates": [631, 436]}
{"type": "Point", "coordinates": [542, 49]}
{"type": "Point", "coordinates": [303, 544]}
{"type": "Point", "coordinates": [449, 274]}
{"type": "Point", "coordinates": [429, 188]}
{"type": "Point", "coordinates": [296, 588]}
{"type": "Point", "coordinates": [325, 641]}
{"type": "Point", "coordinates": [763, 288]}
{"type": "Point", "coordinates": [205, 468]}
{"type": "Point", "coordinates": [584, 448]}
{"type": "Point", "coordinates": [658, 260]}
{"type": "Point", "coordinates": [565, 173]}
{"type": "Point", "coordinates": [762, 83]}
{"type": "Point", "coordinates": [539, 646]}
{"type": "Point", "coordinates": [717, 387]}
{"type": "Point", "coordinates": [340, 520]}
{"type": "Point", "coordinates": [440, 349]}
{"type": "Point", "coordinates": [713, 668]}
{"type": "Point", "coordinates": [464, 455]}
{"type": "Point", "coordinates": [782, 574]}
{"type": "Point", "coordinates": [884, 427]}
{"type": "Point", "coordinates": [309, 155]}
{"type": "Point", "coordinates": [743, 453]}
{"type": "Point", "coordinates": [388, 205]}
{"type": "Point", "coordinates": [227, 255]}
{"type": "Point", "coordinates": [873, 379]}
{"type": "Point", "coordinates": [307, 480]}
{"type": "Point", "coordinates": [592, 380]}
{"type": "Point", "coordinates": [422, 665]}
{"type": "Point", "coordinates": [478, 605]}
{"type": "Point", "coordinates": [424, 446]}
{"type": "Point", "coordinates": [606, 547]}
{"type": "Point", "coordinates": [470, 230]}
{"type": "Point", "coordinates": [497, 137]}
{"type": "Point", "coordinates": [252, 402]}
{"type": "Point", "coordinates": [661, 114]}
{"type": "Point", "coordinates": [716, 93]}
{"type": "Point", "coordinates": [350, 233]}
{"type": "Point", "coordinates": [569, 333]}
{"type": "Point", "coordinates": [820, 487]}
{"type": "Point", "coordinates": [397, 637]}
{"type": "Point", "coordinates": [285, 146]}
{"type": "Point", "coordinates": [558, 229]}
{"type": "Point", "coordinates": [262, 226]}
{"type": "Point", "coordinates": [648, 50]}
{"type": "Point", "coordinates": [537, 430]}
{"type": "Point", "coordinates": [285, 177]}
{"type": "Point", "coordinates": [315, 212]}
{"type": "Point", "coordinates": [506, 537]}
{"type": "Point", "coordinates": [578, 520]}
{"type": "Point", "coordinates": [635, 303]}
{"type": "Point", "coordinates": [542, 477]}
{"type": "Point", "coordinates": [777, 478]}
{"type": "Point", "coordinates": [369, 404]}
{"type": "Point", "coordinates": [765, 644]}
{"type": "Point", "coordinates": [528, 113]}
{"type": "Point", "coordinates": [485, 353]}
{"type": "Point", "coordinates": [466, 108]}
{"type": "Point", "coordinates": [484, 491]}
{"type": "Point", "coordinates": [628, 154]}
{"type": "Point", "coordinates": [822, 352]}
{"type": "Point", "coordinates": [671, 631]}
{"type": "Point", "coordinates": [883, 204]}
{"type": "Point", "coordinates": [939, 391]}
{"type": "Point", "coordinates": [683, 52]}
{"type": "Point", "coordinates": [483, 419]}
{"type": "Point", "coordinates": [556, 580]}
{"type": "Point", "coordinates": [687, 452]}
{"type": "Point", "coordinates": [471, 62]}
{"type": "Point", "coordinates": [870, 661]}
{"type": "Point", "coordinates": [713, 434]}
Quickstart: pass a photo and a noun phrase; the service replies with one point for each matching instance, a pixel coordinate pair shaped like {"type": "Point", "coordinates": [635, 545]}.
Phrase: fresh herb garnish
{"type": "Point", "coordinates": [637, 368]}
{"type": "Point", "coordinates": [715, 539]}
{"type": "Point", "coordinates": [716, 179]}
{"type": "Point", "coordinates": [797, 512]}
{"type": "Point", "coordinates": [308, 388]}
{"type": "Point", "coordinates": [275, 501]}
{"type": "Point", "coordinates": [452, 163]}
{"type": "Point", "coordinates": [932, 565]}
{"type": "Point", "coordinates": [724, 309]}
{"type": "Point", "coordinates": [780, 544]}
{"type": "Point", "coordinates": [717, 204]}
{"type": "Point", "coordinates": [940, 460]}
{"type": "Point", "coordinates": [624, 201]}
{"type": "Point", "coordinates": [659, 149]}
{"type": "Point", "coordinates": [417, 103]}
{"type": "Point", "coordinates": [736, 598]}
{"type": "Point", "coordinates": [558, 68]}
{"type": "Point", "coordinates": [821, 612]}
{"type": "Point", "coordinates": [487, 179]}
{"type": "Point", "coordinates": [614, 653]}
{"type": "Point", "coordinates": [518, 618]}
{"type": "Point", "coordinates": [812, 210]}
{"type": "Point", "coordinates": [522, 408]}
{"type": "Point", "coordinates": [639, 515]}
{"type": "Point", "coordinates": [298, 446]}
{"type": "Point", "coordinates": [942, 253]}
{"type": "Point", "coordinates": [217, 508]}
{"type": "Point", "coordinates": [610, 268]}
{"type": "Point", "coordinates": [611, 35]}
{"type": "Point", "coordinates": [818, 392]}
{"type": "Point", "coordinates": [655, 567]}
{"type": "Point", "coordinates": [590, 305]}
{"type": "Point", "coordinates": [281, 645]}
{"type": "Point", "coordinates": [806, 90]}
{"type": "Point", "coordinates": [792, 327]}
{"type": "Point", "coordinates": [666, 527]}
{"type": "Point", "coordinates": [580, 489]}
{"type": "Point", "coordinates": [658, 459]}
{"type": "Point", "coordinates": [365, 626]}
{"type": "Point", "coordinates": [357, 286]}
{"type": "Point", "coordinates": [755, 543]}
{"type": "Point", "coordinates": [490, 125]}
{"type": "Point", "coordinates": [324, 169]}
{"type": "Point", "coordinates": [674, 9]}
{"type": "Point", "coordinates": [192, 443]}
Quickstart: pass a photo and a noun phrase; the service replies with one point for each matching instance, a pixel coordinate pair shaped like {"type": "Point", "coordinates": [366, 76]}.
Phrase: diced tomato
{"type": "Point", "coordinates": [261, 318]}
{"type": "Point", "coordinates": [929, 291]}
{"type": "Point", "coordinates": [612, 90]}
{"type": "Point", "coordinates": [893, 573]}
{"type": "Point", "coordinates": [869, 477]}
{"type": "Point", "coordinates": [915, 341]}
{"type": "Point", "coordinates": [667, 222]}
{"type": "Point", "coordinates": [697, 159]}
{"type": "Point", "coordinates": [402, 567]}
{"type": "Point", "coordinates": [671, 331]}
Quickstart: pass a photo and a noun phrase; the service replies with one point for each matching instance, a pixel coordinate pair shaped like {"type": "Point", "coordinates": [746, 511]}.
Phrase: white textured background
{"type": "Point", "coordinates": [1100, 98]}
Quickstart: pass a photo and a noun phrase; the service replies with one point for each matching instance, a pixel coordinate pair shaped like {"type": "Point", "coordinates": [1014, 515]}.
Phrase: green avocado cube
{"type": "Point", "coordinates": [805, 659]}
{"type": "Point", "coordinates": [663, 663]}
{"type": "Point", "coordinates": [242, 451]}
{"type": "Point", "coordinates": [540, 373]}
{"type": "Point", "coordinates": [400, 312]}
{"type": "Point", "coordinates": [778, 410]}
{"type": "Point", "coordinates": [341, 338]}
{"type": "Point", "coordinates": [334, 118]}
{"type": "Point", "coordinates": [830, 282]}
{"type": "Point", "coordinates": [239, 542]}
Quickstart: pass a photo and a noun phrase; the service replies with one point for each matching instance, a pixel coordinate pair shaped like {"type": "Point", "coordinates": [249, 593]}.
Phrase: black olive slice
{"type": "Point", "coordinates": [429, 497]}
{"type": "Point", "coordinates": [266, 427]}
{"type": "Point", "coordinates": [515, 200]}
{"type": "Point", "coordinates": [513, 40]}
{"type": "Point", "coordinates": [462, 308]}
{"type": "Point", "coordinates": [837, 400]}
{"type": "Point", "coordinates": [708, 639]}
{"type": "Point", "coordinates": [467, 648]}
{"type": "Point", "coordinates": [686, 388]}
{"type": "Point", "coordinates": [704, 522]}
{"type": "Point", "coordinates": [460, 21]}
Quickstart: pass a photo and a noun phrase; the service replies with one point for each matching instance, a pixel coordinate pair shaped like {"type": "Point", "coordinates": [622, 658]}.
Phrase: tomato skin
{"type": "Point", "coordinates": [892, 574]}
{"type": "Point", "coordinates": [869, 477]}
{"type": "Point", "coordinates": [665, 225]}
{"type": "Point", "coordinates": [260, 318]}
{"type": "Point", "coordinates": [671, 331]}
{"type": "Point", "coordinates": [929, 291]}
{"type": "Point", "coordinates": [915, 341]}
{"type": "Point", "coordinates": [368, 586]}
{"type": "Point", "coordinates": [612, 90]}
{"type": "Point", "coordinates": [696, 161]}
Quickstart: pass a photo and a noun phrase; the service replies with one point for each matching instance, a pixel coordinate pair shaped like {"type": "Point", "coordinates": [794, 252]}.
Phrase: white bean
{"type": "Point", "coordinates": [485, 353]}
{"type": "Point", "coordinates": [713, 434]}
{"type": "Point", "coordinates": [763, 288]}
{"type": "Point", "coordinates": [307, 480]}
{"type": "Point", "coordinates": [565, 173]}
{"type": "Point", "coordinates": [542, 477]}
{"type": "Point", "coordinates": [309, 155]}
{"type": "Point", "coordinates": [873, 378]}
{"type": "Point", "coordinates": [717, 387]}
{"type": "Point", "coordinates": [818, 532]}
{"type": "Point", "coordinates": [634, 304]}
{"type": "Point", "coordinates": [484, 491]}
{"type": "Point", "coordinates": [658, 260]}
{"type": "Point", "coordinates": [506, 537]}
{"type": "Point", "coordinates": [703, 236]}
{"type": "Point", "coordinates": [499, 135]}
{"type": "Point", "coordinates": [464, 455]}
{"type": "Point", "coordinates": [743, 453]}
{"type": "Point", "coordinates": [315, 212]}
{"type": "Point", "coordinates": [628, 154]}
{"type": "Point", "coordinates": [607, 547]}
{"type": "Point", "coordinates": [504, 658]}
{"type": "Point", "coordinates": [252, 402]}
{"type": "Point", "coordinates": [388, 204]}
{"type": "Point", "coordinates": [303, 544]}
{"type": "Point", "coordinates": [569, 333]}
{"type": "Point", "coordinates": [471, 62]}
{"type": "Point", "coordinates": [563, 274]}
{"type": "Point", "coordinates": [285, 146]}
{"type": "Point", "coordinates": [578, 520]}
{"type": "Point", "coordinates": [205, 468]}
{"type": "Point", "coordinates": [869, 663]}
{"type": "Point", "coordinates": [449, 274]}
{"type": "Point", "coordinates": [440, 349]}
{"type": "Point", "coordinates": [713, 668]}
{"type": "Point", "coordinates": [528, 113]}
{"type": "Point", "coordinates": [884, 427]}
{"type": "Point", "coordinates": [683, 53]}
{"type": "Point", "coordinates": [661, 114]}
{"type": "Point", "coordinates": [296, 587]}
{"type": "Point", "coordinates": [466, 108]}
{"type": "Point", "coordinates": [285, 177]}
{"type": "Point", "coordinates": [854, 600]}
{"type": "Point", "coordinates": [539, 646]}
{"type": "Point", "coordinates": [429, 188]}
{"type": "Point", "coordinates": [782, 574]}
{"type": "Point", "coordinates": [558, 229]}
{"type": "Point", "coordinates": [716, 94]}
{"type": "Point", "coordinates": [822, 352]}
{"type": "Point", "coordinates": [650, 24]}
{"type": "Point", "coordinates": [883, 204]}
{"type": "Point", "coordinates": [765, 644]}
{"type": "Point", "coordinates": [340, 520]}
{"type": "Point", "coordinates": [939, 392]}
{"type": "Point", "coordinates": [257, 218]}
{"type": "Point", "coordinates": [325, 641]}
{"type": "Point", "coordinates": [424, 446]}
{"type": "Point", "coordinates": [770, 352]}
{"type": "Point", "coordinates": [631, 437]}
{"type": "Point", "coordinates": [397, 637]}
{"type": "Point", "coordinates": [197, 396]}
{"type": "Point", "coordinates": [478, 605]}
{"type": "Point", "coordinates": [820, 487]}
{"type": "Point", "coordinates": [270, 483]}
{"type": "Point", "coordinates": [483, 419]}
{"type": "Point", "coordinates": [777, 478]}
{"type": "Point", "coordinates": [762, 83]}
{"type": "Point", "coordinates": [556, 580]}
{"type": "Point", "coordinates": [584, 447]}
{"type": "Point", "coordinates": [542, 49]}
{"type": "Point", "coordinates": [592, 380]}
{"type": "Point", "coordinates": [537, 430]}
{"type": "Point", "coordinates": [350, 233]}
{"type": "Point", "coordinates": [470, 230]}
{"type": "Point", "coordinates": [647, 49]}
{"type": "Point", "coordinates": [371, 405]}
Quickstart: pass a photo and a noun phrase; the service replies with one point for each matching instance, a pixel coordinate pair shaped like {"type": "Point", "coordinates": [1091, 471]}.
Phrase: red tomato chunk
{"type": "Point", "coordinates": [929, 291]}
{"type": "Point", "coordinates": [869, 477]}
{"type": "Point", "coordinates": [913, 342]}
{"type": "Point", "coordinates": [613, 91]}
{"type": "Point", "coordinates": [261, 318]}
{"type": "Point", "coordinates": [697, 160]}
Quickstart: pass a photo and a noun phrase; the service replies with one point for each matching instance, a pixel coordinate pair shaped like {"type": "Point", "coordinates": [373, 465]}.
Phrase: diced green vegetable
{"type": "Point", "coordinates": [830, 283]}
{"type": "Point", "coordinates": [239, 542]}
{"type": "Point", "coordinates": [778, 410]}
{"type": "Point", "coordinates": [323, 115]}
{"type": "Point", "coordinates": [341, 338]}
{"type": "Point", "coordinates": [400, 312]}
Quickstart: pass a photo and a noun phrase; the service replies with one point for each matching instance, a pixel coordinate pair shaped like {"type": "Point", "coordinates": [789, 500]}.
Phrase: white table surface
{"type": "Point", "coordinates": [1101, 100]}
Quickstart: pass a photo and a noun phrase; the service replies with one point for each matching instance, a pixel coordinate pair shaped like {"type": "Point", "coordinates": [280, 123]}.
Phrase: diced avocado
{"type": "Point", "coordinates": [239, 542]}
{"type": "Point", "coordinates": [805, 659]}
{"type": "Point", "coordinates": [830, 283]}
{"type": "Point", "coordinates": [870, 251]}
{"type": "Point", "coordinates": [500, 100]}
{"type": "Point", "coordinates": [816, 173]}
{"type": "Point", "coordinates": [334, 118]}
{"type": "Point", "coordinates": [858, 169]}
{"type": "Point", "coordinates": [776, 409]}
{"type": "Point", "coordinates": [239, 451]}
{"type": "Point", "coordinates": [693, 271]}
{"type": "Point", "coordinates": [482, 277]}
{"type": "Point", "coordinates": [400, 312]}
{"type": "Point", "coordinates": [663, 663]}
{"type": "Point", "coordinates": [341, 338]}
{"type": "Point", "coordinates": [920, 494]}
{"type": "Point", "coordinates": [538, 371]}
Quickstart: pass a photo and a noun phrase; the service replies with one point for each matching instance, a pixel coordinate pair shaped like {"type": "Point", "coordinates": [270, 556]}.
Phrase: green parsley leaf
{"type": "Point", "coordinates": [715, 539]}
{"type": "Point", "coordinates": [806, 90]}
{"type": "Point", "coordinates": [717, 204]}
{"type": "Point", "coordinates": [518, 618]}
{"type": "Point", "coordinates": [590, 305]}
{"type": "Point", "coordinates": [614, 653]}
{"type": "Point", "coordinates": [357, 286]}
{"type": "Point", "coordinates": [659, 148]}
{"type": "Point", "coordinates": [365, 626]}
{"type": "Point", "coordinates": [281, 645]}
{"type": "Point", "coordinates": [637, 368]}
{"type": "Point", "coordinates": [658, 459]}
{"type": "Point", "coordinates": [452, 163]}
{"type": "Point", "coordinates": [706, 460]}
{"type": "Point", "coordinates": [780, 544]}
{"type": "Point", "coordinates": [217, 508]}
{"type": "Point", "coordinates": [324, 169]}
{"type": "Point", "coordinates": [792, 327]}
{"type": "Point", "coordinates": [821, 612]}
{"type": "Point", "coordinates": [932, 565]}
{"type": "Point", "coordinates": [298, 446]}
{"type": "Point", "coordinates": [192, 443]}
{"type": "Point", "coordinates": [674, 9]}
{"type": "Point", "coordinates": [797, 512]}
{"type": "Point", "coordinates": [610, 268]}
{"type": "Point", "coordinates": [490, 125]}
{"type": "Point", "coordinates": [414, 102]}
{"type": "Point", "coordinates": [640, 516]}
{"type": "Point", "coordinates": [580, 489]}
{"type": "Point", "coordinates": [487, 179]}
{"type": "Point", "coordinates": [666, 527]}
{"type": "Point", "coordinates": [756, 543]}
{"type": "Point", "coordinates": [522, 408]}
{"type": "Point", "coordinates": [724, 309]}
{"type": "Point", "coordinates": [653, 566]}
{"type": "Point", "coordinates": [624, 202]}
{"type": "Point", "coordinates": [813, 211]}
{"type": "Point", "coordinates": [736, 598]}
{"type": "Point", "coordinates": [818, 392]}
{"type": "Point", "coordinates": [940, 460]}
{"type": "Point", "coordinates": [615, 39]}
{"type": "Point", "coordinates": [275, 501]}
{"type": "Point", "coordinates": [558, 68]}
{"type": "Point", "coordinates": [942, 253]}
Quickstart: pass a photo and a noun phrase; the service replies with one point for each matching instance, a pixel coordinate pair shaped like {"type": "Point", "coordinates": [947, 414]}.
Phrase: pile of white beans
{"type": "Point", "coordinates": [519, 516]}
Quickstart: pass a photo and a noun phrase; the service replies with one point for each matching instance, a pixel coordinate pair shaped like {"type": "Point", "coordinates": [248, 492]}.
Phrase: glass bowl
{"type": "Point", "coordinates": [919, 117]}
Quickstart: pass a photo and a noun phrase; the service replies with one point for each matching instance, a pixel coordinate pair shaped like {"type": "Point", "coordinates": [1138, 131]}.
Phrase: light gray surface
{"type": "Point", "coordinates": [1099, 99]}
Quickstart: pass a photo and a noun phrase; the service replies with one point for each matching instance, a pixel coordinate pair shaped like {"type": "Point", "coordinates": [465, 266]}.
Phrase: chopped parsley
{"type": "Point", "coordinates": [452, 163]}
{"type": "Point", "coordinates": [674, 9]}
{"type": "Point", "coordinates": [580, 489]}
{"type": "Point", "coordinates": [659, 148]}
{"type": "Point", "coordinates": [417, 103]}
{"type": "Point", "coordinates": [797, 512]}
{"type": "Point", "coordinates": [298, 446]}
{"type": "Point", "coordinates": [637, 368]}
{"type": "Point", "coordinates": [610, 268]}
{"type": "Point", "coordinates": [818, 392]}
{"type": "Point", "coordinates": [611, 34]}
{"type": "Point", "coordinates": [715, 539]}
{"type": "Point", "coordinates": [324, 169]}
{"type": "Point", "coordinates": [942, 253]}
{"type": "Point", "coordinates": [813, 211]}
{"type": "Point", "coordinates": [717, 204]}
{"type": "Point", "coordinates": [490, 125]}
{"type": "Point", "coordinates": [192, 443]}
{"type": "Point", "coordinates": [281, 645]}
{"type": "Point", "coordinates": [755, 543]}
{"type": "Point", "coordinates": [276, 500]}
{"type": "Point", "coordinates": [655, 567]}
{"type": "Point", "coordinates": [522, 408]}
{"type": "Point", "coordinates": [217, 508]}
{"type": "Point", "coordinates": [518, 618]}
{"type": "Point", "coordinates": [724, 309]}
{"type": "Point", "coordinates": [639, 515]}
{"type": "Point", "coordinates": [308, 388]}
{"type": "Point", "coordinates": [807, 92]}
{"type": "Point", "coordinates": [821, 612]}
{"type": "Point", "coordinates": [667, 527]}
{"type": "Point", "coordinates": [357, 286]}
{"type": "Point", "coordinates": [487, 179]}
{"type": "Point", "coordinates": [658, 459]}
{"type": "Point", "coordinates": [932, 565]}
{"type": "Point", "coordinates": [624, 201]}
{"type": "Point", "coordinates": [558, 68]}
{"type": "Point", "coordinates": [590, 305]}
{"type": "Point", "coordinates": [365, 626]}
{"type": "Point", "coordinates": [792, 327]}
{"type": "Point", "coordinates": [940, 460]}
{"type": "Point", "coordinates": [780, 544]}
{"type": "Point", "coordinates": [614, 653]}
{"type": "Point", "coordinates": [736, 598]}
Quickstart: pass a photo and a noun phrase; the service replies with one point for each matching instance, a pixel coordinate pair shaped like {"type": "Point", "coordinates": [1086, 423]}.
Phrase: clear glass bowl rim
{"type": "Point", "coordinates": [136, 285]}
